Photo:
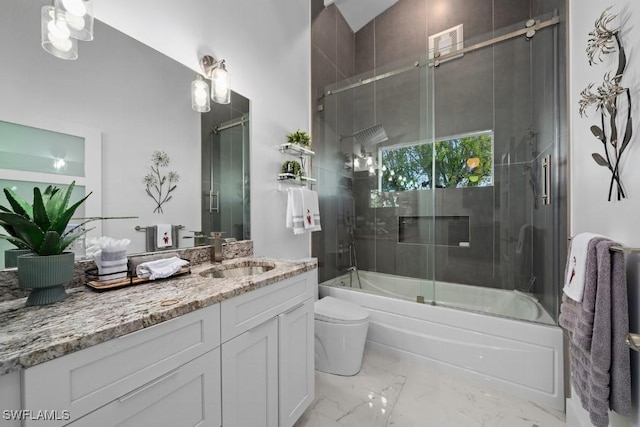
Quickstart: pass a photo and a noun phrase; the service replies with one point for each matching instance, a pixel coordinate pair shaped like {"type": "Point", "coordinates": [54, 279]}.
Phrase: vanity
{"type": "Point", "coordinates": [186, 351]}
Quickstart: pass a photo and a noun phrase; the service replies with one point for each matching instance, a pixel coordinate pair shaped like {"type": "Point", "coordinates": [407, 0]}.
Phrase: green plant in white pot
{"type": "Point", "coordinates": [40, 228]}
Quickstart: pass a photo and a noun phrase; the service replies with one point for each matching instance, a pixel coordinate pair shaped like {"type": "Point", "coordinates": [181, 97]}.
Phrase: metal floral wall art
{"type": "Point", "coordinates": [158, 185]}
{"type": "Point", "coordinates": [604, 41]}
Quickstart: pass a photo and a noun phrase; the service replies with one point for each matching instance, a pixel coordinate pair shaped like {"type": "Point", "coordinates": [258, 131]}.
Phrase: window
{"type": "Point", "coordinates": [461, 161]}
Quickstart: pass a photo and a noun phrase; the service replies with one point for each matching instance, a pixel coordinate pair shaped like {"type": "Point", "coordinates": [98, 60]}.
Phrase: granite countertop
{"type": "Point", "coordinates": [32, 335]}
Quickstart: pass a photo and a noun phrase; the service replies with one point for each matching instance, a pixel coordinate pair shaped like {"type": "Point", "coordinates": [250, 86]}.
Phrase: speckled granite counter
{"type": "Point", "coordinates": [32, 335]}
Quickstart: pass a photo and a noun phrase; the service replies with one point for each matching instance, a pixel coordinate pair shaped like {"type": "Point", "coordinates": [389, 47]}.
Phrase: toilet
{"type": "Point", "coordinates": [340, 334]}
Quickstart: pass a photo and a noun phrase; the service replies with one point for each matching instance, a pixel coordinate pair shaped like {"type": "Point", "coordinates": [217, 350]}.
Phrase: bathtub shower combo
{"type": "Point", "coordinates": [441, 196]}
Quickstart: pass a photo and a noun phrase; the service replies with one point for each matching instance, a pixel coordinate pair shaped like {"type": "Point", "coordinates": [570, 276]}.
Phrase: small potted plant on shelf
{"type": "Point", "coordinates": [291, 169]}
{"type": "Point", "coordinates": [40, 228]}
{"type": "Point", "coordinates": [299, 137]}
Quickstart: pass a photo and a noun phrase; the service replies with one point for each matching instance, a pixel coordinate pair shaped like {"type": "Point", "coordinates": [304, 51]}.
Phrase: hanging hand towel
{"type": "Point", "coordinates": [311, 210]}
{"type": "Point", "coordinates": [163, 236]}
{"type": "Point", "coordinates": [294, 216]}
{"type": "Point", "coordinates": [576, 266]}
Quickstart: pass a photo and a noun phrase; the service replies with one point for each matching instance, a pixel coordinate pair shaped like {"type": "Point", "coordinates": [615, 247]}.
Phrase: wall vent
{"type": "Point", "coordinates": [448, 41]}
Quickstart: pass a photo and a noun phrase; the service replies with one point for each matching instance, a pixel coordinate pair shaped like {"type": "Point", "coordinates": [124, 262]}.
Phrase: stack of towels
{"type": "Point", "coordinates": [595, 312]}
{"type": "Point", "coordinates": [303, 213]}
{"type": "Point", "coordinates": [110, 257]}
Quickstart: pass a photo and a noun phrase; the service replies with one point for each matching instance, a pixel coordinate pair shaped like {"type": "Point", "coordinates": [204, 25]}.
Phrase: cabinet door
{"type": "Point", "coordinates": [188, 396]}
{"type": "Point", "coordinates": [296, 362]}
{"type": "Point", "coordinates": [250, 378]}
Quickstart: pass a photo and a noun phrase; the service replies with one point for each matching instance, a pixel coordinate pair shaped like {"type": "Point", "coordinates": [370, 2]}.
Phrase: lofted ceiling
{"type": "Point", "coordinates": [359, 13]}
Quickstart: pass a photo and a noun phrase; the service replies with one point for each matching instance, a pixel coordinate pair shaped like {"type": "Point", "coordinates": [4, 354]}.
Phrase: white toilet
{"type": "Point", "coordinates": [341, 331]}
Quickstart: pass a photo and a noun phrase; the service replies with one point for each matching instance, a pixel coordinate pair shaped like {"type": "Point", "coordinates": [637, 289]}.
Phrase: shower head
{"type": "Point", "coordinates": [369, 137]}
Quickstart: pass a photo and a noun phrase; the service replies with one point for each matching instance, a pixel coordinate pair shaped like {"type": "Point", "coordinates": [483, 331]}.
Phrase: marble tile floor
{"type": "Point", "coordinates": [393, 392]}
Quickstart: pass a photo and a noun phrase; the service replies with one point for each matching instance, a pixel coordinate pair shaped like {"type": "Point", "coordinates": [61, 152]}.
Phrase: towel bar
{"type": "Point", "coordinates": [633, 341]}
{"type": "Point", "coordinates": [623, 249]}
{"type": "Point", "coordinates": [138, 228]}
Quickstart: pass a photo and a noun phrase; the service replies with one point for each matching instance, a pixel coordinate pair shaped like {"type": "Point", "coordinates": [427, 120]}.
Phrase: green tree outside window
{"type": "Point", "coordinates": [466, 161]}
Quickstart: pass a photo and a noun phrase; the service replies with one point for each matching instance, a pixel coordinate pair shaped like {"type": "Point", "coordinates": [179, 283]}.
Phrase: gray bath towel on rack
{"type": "Point", "coordinates": [151, 238]}
{"type": "Point", "coordinates": [600, 367]}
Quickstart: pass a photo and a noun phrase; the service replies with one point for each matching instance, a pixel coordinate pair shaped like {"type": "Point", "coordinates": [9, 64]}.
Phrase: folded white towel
{"type": "Point", "coordinates": [577, 265]}
{"type": "Point", "coordinates": [163, 236]}
{"type": "Point", "coordinates": [160, 268]}
{"type": "Point", "coordinates": [294, 217]}
{"type": "Point", "coordinates": [311, 210]}
{"type": "Point", "coordinates": [111, 270]}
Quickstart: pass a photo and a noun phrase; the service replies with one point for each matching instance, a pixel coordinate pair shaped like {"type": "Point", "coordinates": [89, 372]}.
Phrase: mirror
{"type": "Point", "coordinates": [137, 101]}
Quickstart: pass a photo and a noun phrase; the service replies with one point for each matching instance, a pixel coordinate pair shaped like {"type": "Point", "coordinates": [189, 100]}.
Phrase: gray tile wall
{"type": "Point", "coordinates": [332, 61]}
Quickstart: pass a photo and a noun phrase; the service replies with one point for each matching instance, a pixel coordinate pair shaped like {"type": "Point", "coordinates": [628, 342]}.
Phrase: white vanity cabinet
{"type": "Point", "coordinates": [133, 373]}
{"type": "Point", "coordinates": [246, 362]}
{"type": "Point", "coordinates": [10, 404]}
{"type": "Point", "coordinates": [267, 354]}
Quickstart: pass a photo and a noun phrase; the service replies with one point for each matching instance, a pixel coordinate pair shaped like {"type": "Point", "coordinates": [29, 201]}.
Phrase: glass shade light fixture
{"type": "Point", "coordinates": [200, 95]}
{"type": "Point", "coordinates": [79, 17]}
{"type": "Point", "coordinates": [56, 35]}
{"type": "Point", "coordinates": [217, 72]}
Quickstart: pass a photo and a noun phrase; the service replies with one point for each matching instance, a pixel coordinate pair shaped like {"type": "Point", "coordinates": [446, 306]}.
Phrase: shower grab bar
{"type": "Point", "coordinates": [436, 61]}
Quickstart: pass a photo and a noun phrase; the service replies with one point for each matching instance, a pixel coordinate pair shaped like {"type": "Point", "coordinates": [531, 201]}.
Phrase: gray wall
{"type": "Point", "coordinates": [332, 61]}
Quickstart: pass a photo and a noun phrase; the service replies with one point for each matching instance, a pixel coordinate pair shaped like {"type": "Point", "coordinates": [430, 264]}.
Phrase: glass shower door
{"type": "Point", "coordinates": [226, 192]}
{"type": "Point", "coordinates": [504, 93]}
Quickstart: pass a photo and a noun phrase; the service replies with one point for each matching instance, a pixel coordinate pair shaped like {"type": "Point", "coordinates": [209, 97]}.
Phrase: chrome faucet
{"type": "Point", "coordinates": [216, 246]}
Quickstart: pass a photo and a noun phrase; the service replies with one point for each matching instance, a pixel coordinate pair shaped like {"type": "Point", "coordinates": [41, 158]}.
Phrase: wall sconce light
{"type": "Point", "coordinates": [217, 72]}
{"type": "Point", "coordinates": [79, 17]}
{"type": "Point", "coordinates": [200, 95]}
{"type": "Point", "coordinates": [62, 24]}
{"type": "Point", "coordinates": [56, 35]}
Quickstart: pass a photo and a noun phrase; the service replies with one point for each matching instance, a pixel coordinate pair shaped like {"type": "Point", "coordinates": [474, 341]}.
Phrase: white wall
{"type": "Point", "coordinates": [589, 182]}
{"type": "Point", "coordinates": [266, 45]}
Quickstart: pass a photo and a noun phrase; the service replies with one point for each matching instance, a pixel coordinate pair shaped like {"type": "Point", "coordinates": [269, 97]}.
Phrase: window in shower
{"type": "Point", "coordinates": [460, 161]}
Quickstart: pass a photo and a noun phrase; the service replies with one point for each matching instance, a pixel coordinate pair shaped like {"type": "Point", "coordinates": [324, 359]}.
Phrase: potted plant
{"type": "Point", "coordinates": [291, 167]}
{"type": "Point", "coordinates": [299, 137]}
{"type": "Point", "coordinates": [40, 228]}
{"type": "Point", "coordinates": [11, 256]}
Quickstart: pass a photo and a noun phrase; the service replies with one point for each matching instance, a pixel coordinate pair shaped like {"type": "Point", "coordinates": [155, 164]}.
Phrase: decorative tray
{"type": "Point", "coordinates": [93, 279]}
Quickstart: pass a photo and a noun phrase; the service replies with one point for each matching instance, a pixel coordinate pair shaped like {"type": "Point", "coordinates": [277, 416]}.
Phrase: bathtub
{"type": "Point", "coordinates": [519, 357]}
{"type": "Point", "coordinates": [499, 302]}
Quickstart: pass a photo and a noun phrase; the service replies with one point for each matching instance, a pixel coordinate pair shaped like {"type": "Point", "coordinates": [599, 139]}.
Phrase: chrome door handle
{"type": "Point", "coordinates": [215, 208]}
{"type": "Point", "coordinates": [546, 180]}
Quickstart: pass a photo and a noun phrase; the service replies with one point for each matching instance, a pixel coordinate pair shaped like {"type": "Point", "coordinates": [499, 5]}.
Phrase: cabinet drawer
{"type": "Point", "coordinates": [241, 313]}
{"type": "Point", "coordinates": [188, 396]}
{"type": "Point", "coordinates": [84, 381]}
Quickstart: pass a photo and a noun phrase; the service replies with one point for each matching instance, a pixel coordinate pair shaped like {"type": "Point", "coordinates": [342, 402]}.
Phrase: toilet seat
{"type": "Point", "coordinates": [334, 310]}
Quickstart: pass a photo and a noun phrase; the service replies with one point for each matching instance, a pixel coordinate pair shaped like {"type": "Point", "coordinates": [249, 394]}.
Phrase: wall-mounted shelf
{"type": "Point", "coordinates": [290, 179]}
{"type": "Point", "coordinates": [296, 150]}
